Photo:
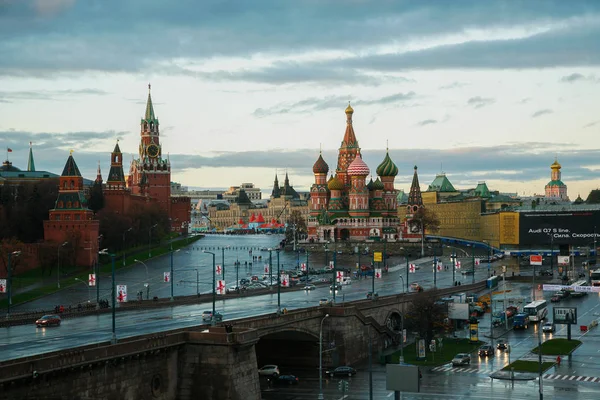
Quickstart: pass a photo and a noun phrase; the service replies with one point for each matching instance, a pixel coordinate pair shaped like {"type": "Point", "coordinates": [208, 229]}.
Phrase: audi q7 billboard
{"type": "Point", "coordinates": [561, 227]}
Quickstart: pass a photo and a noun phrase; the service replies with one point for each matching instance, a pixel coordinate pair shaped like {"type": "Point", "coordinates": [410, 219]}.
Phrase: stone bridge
{"type": "Point", "coordinates": [210, 363]}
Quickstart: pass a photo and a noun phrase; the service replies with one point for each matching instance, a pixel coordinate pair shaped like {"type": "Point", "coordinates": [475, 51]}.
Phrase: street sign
{"type": "Point", "coordinates": [377, 256]}
{"type": "Point", "coordinates": [535, 259]}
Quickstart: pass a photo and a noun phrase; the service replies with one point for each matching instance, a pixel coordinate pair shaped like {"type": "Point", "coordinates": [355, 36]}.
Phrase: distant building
{"type": "Point", "coordinates": [556, 189]}
{"type": "Point", "coordinates": [252, 192]}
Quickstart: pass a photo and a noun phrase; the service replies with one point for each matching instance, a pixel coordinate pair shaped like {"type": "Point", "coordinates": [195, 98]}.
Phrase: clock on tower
{"type": "Point", "coordinates": [152, 150]}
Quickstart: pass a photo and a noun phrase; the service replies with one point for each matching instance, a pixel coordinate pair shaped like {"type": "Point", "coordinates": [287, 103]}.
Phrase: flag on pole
{"type": "Point", "coordinates": [331, 265]}
{"type": "Point", "coordinates": [91, 279]}
{"type": "Point", "coordinates": [220, 288]}
{"type": "Point", "coordinates": [378, 273]}
{"type": "Point", "coordinates": [458, 265]}
{"type": "Point", "coordinates": [339, 276]}
{"type": "Point", "coordinates": [8, 150]}
{"type": "Point", "coordinates": [303, 267]}
{"type": "Point", "coordinates": [412, 268]}
{"type": "Point", "coordinates": [477, 261]}
{"type": "Point", "coordinates": [439, 266]}
{"type": "Point", "coordinates": [167, 276]}
{"type": "Point", "coordinates": [266, 268]}
{"type": "Point", "coordinates": [2, 285]}
{"type": "Point", "coordinates": [285, 280]}
{"type": "Point", "coordinates": [122, 293]}
{"type": "Point", "coordinates": [218, 270]}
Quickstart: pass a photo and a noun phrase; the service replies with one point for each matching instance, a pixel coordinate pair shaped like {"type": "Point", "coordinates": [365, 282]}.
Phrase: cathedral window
{"type": "Point", "coordinates": [64, 184]}
{"type": "Point", "coordinates": [77, 217]}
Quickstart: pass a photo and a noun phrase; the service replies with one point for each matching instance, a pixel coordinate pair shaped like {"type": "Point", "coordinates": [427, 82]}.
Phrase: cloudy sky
{"type": "Point", "coordinates": [481, 90]}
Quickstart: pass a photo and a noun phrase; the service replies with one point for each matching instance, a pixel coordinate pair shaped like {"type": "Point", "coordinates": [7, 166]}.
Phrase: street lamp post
{"type": "Point", "coordinates": [214, 293]}
{"type": "Point", "coordinates": [321, 359]}
{"type": "Point", "coordinates": [58, 272]}
{"type": "Point", "coordinates": [270, 269]}
{"type": "Point", "coordinates": [9, 279]}
{"type": "Point", "coordinates": [86, 284]}
{"type": "Point", "coordinates": [278, 285]}
{"type": "Point", "coordinates": [334, 270]}
{"type": "Point", "coordinates": [307, 267]}
{"type": "Point", "coordinates": [172, 277]}
{"type": "Point", "coordinates": [147, 277]}
{"type": "Point", "coordinates": [197, 278]}
{"type": "Point", "coordinates": [223, 260]}
{"type": "Point", "coordinates": [541, 386]}
{"type": "Point", "coordinates": [150, 240]}
{"type": "Point", "coordinates": [434, 270]}
{"type": "Point", "coordinates": [123, 249]}
{"type": "Point", "coordinates": [401, 326]}
{"type": "Point", "coordinates": [113, 296]}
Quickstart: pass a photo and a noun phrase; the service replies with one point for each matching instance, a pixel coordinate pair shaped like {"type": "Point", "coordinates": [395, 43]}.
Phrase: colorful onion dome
{"type": "Point", "coordinates": [370, 184]}
{"type": "Point", "coordinates": [378, 185]}
{"type": "Point", "coordinates": [387, 167]}
{"type": "Point", "coordinates": [555, 165]}
{"type": "Point", "coordinates": [335, 184]}
{"type": "Point", "coordinates": [358, 167]}
{"type": "Point", "coordinates": [320, 166]}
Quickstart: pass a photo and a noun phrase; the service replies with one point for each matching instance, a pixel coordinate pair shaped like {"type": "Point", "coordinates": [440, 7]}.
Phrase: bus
{"type": "Point", "coordinates": [595, 277]}
{"type": "Point", "coordinates": [574, 292]}
{"type": "Point", "coordinates": [536, 310]}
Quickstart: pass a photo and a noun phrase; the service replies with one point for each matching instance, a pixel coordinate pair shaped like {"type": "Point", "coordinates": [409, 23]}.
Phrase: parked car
{"type": "Point", "coordinates": [461, 359]}
{"type": "Point", "coordinates": [269, 370]}
{"type": "Point", "coordinates": [48, 320]}
{"type": "Point", "coordinates": [548, 327]}
{"type": "Point", "coordinates": [416, 287]}
{"type": "Point", "coordinates": [501, 344]}
{"type": "Point", "coordinates": [208, 316]}
{"type": "Point", "coordinates": [342, 371]}
{"type": "Point", "coordinates": [545, 272]}
{"type": "Point", "coordinates": [555, 298]}
{"type": "Point", "coordinates": [287, 380]}
{"type": "Point", "coordinates": [511, 310]}
{"type": "Point", "coordinates": [486, 351]}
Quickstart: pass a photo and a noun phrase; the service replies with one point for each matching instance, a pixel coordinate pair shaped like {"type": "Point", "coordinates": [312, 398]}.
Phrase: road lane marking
{"type": "Point", "coordinates": [390, 395]}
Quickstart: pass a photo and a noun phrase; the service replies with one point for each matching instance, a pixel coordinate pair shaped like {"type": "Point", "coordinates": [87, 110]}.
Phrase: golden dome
{"type": "Point", "coordinates": [555, 165]}
{"type": "Point", "coordinates": [349, 109]}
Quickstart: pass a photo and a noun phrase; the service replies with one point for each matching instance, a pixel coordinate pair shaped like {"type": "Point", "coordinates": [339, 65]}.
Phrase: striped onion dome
{"type": "Point", "coordinates": [358, 167]}
{"type": "Point", "coordinates": [320, 166]}
{"type": "Point", "coordinates": [387, 167]}
{"type": "Point", "coordinates": [335, 184]}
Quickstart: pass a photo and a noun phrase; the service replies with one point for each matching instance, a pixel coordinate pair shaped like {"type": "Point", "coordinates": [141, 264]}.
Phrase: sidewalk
{"type": "Point", "coordinates": [514, 376]}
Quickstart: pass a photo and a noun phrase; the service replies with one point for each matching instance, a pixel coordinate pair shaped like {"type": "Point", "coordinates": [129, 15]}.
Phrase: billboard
{"type": "Point", "coordinates": [558, 227]}
{"type": "Point", "coordinates": [563, 260]}
{"type": "Point", "coordinates": [565, 315]}
{"type": "Point", "coordinates": [535, 260]}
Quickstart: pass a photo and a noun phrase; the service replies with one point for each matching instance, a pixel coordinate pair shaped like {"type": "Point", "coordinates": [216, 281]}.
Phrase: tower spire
{"type": "Point", "coordinates": [149, 108]}
{"type": "Point", "coordinates": [99, 174]}
{"type": "Point", "coordinates": [414, 196]}
{"type": "Point", "coordinates": [30, 162]}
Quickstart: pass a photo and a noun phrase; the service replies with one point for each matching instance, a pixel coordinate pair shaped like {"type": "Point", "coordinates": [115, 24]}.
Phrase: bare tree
{"type": "Point", "coordinates": [424, 220]}
{"type": "Point", "coordinates": [425, 316]}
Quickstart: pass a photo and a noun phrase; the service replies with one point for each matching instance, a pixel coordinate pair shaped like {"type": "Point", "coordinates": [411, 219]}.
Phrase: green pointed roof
{"type": "Point", "coordinates": [71, 168]}
{"type": "Point", "coordinates": [378, 185]}
{"type": "Point", "coordinates": [370, 184]}
{"type": "Point", "coordinates": [117, 148]}
{"type": "Point", "coordinates": [387, 167]}
{"type": "Point", "coordinates": [557, 182]}
{"type": "Point", "coordinates": [30, 162]}
{"type": "Point", "coordinates": [441, 184]}
{"type": "Point", "coordinates": [482, 190]}
{"type": "Point", "coordinates": [149, 115]}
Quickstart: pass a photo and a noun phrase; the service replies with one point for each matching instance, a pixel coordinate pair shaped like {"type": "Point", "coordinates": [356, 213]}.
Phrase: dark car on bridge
{"type": "Point", "coordinates": [48, 320]}
{"type": "Point", "coordinates": [342, 371]}
{"type": "Point", "coordinates": [287, 380]}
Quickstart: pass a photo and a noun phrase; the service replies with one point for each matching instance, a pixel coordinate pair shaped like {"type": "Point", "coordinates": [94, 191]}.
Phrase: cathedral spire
{"type": "Point", "coordinates": [349, 136]}
{"type": "Point", "coordinates": [30, 162]}
{"type": "Point", "coordinates": [276, 193]}
{"type": "Point", "coordinates": [414, 197]}
{"type": "Point", "coordinates": [149, 116]}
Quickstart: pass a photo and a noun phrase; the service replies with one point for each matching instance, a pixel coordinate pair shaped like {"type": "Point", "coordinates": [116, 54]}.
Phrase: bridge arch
{"type": "Point", "coordinates": [289, 348]}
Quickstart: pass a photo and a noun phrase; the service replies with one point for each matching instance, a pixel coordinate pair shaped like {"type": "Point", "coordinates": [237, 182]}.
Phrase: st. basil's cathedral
{"type": "Point", "coordinates": [345, 206]}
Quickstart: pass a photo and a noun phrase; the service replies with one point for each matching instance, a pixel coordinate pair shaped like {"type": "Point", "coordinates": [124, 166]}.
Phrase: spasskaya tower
{"type": "Point", "coordinates": [150, 173]}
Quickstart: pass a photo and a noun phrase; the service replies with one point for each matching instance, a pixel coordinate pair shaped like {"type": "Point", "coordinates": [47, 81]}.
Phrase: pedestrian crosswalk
{"type": "Point", "coordinates": [576, 378]}
{"type": "Point", "coordinates": [467, 369]}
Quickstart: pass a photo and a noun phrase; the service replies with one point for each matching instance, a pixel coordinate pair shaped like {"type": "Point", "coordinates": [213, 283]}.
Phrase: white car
{"type": "Point", "coordinates": [269, 370]}
{"type": "Point", "coordinates": [548, 327]}
{"type": "Point", "coordinates": [310, 287]}
{"type": "Point", "coordinates": [461, 359]}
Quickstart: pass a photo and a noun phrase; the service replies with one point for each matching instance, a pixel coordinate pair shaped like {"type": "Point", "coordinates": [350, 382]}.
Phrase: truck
{"type": "Point", "coordinates": [521, 321]}
{"type": "Point", "coordinates": [498, 318]}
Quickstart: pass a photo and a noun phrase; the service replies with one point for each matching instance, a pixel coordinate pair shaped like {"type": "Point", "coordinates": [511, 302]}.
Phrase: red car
{"type": "Point", "coordinates": [48, 320]}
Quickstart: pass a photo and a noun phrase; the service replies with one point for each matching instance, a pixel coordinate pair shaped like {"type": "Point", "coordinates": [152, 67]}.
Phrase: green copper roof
{"type": "Point", "coordinates": [482, 190]}
{"type": "Point", "coordinates": [30, 162]}
{"type": "Point", "coordinates": [117, 148]}
{"type": "Point", "coordinates": [441, 184]}
{"type": "Point", "coordinates": [402, 198]}
{"type": "Point", "coordinates": [556, 183]}
{"type": "Point", "coordinates": [370, 184]}
{"type": "Point", "coordinates": [71, 168]}
{"type": "Point", "coordinates": [387, 167]}
{"type": "Point", "coordinates": [149, 116]}
{"type": "Point", "coordinates": [378, 185]}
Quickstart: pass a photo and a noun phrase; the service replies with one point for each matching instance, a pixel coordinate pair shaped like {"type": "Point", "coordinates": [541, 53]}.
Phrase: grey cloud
{"type": "Point", "coordinates": [115, 36]}
{"type": "Point", "coordinates": [13, 96]}
{"type": "Point", "coordinates": [589, 125]}
{"type": "Point", "coordinates": [539, 113]}
{"type": "Point", "coordinates": [313, 104]}
{"type": "Point", "coordinates": [453, 85]}
{"type": "Point", "coordinates": [57, 142]}
{"type": "Point", "coordinates": [478, 101]}
{"type": "Point", "coordinates": [577, 77]}
{"type": "Point", "coordinates": [524, 100]}
{"type": "Point", "coordinates": [427, 122]}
